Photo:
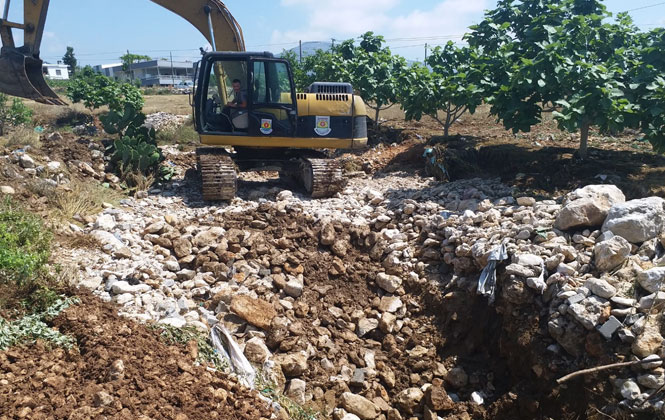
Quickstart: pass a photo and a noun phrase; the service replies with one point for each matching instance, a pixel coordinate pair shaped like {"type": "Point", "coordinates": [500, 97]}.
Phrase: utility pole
{"type": "Point", "coordinates": [300, 44]}
{"type": "Point", "coordinates": [426, 52]}
{"type": "Point", "coordinates": [172, 72]}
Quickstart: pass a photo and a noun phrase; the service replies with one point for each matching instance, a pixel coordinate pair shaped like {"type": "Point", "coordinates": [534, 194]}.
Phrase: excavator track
{"type": "Point", "coordinates": [219, 180]}
{"type": "Point", "coordinates": [322, 177]}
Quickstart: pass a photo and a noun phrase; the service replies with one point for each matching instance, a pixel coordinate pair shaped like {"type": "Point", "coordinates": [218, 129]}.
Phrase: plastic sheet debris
{"type": "Point", "coordinates": [487, 280]}
{"type": "Point", "coordinates": [228, 350]}
{"type": "Point", "coordinates": [431, 159]}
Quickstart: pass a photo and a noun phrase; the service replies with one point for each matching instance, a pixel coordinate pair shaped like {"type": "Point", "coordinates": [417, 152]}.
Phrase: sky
{"type": "Point", "coordinates": [102, 30]}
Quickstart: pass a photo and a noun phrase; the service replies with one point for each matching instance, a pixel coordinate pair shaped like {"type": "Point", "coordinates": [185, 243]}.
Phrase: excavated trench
{"type": "Point", "coordinates": [444, 333]}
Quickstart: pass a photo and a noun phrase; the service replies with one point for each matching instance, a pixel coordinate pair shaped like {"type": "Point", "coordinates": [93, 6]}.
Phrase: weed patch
{"type": "Point", "coordinates": [23, 136]}
{"type": "Point", "coordinates": [30, 328]}
{"type": "Point", "coordinates": [184, 134]}
{"type": "Point", "coordinates": [206, 354]}
{"type": "Point", "coordinates": [293, 409]}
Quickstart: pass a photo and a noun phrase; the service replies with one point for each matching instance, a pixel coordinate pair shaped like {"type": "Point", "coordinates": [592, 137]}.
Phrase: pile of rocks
{"type": "Point", "coordinates": [165, 121]}
{"type": "Point", "coordinates": [596, 260]}
{"type": "Point", "coordinates": [29, 167]}
{"type": "Point", "coordinates": [271, 270]}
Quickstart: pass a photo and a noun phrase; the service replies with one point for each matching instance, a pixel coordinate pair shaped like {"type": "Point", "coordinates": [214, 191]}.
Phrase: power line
{"type": "Point", "coordinates": [645, 7]}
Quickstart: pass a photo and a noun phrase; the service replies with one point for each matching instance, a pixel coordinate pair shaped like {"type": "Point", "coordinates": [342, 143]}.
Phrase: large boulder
{"type": "Point", "coordinates": [637, 220]}
{"type": "Point", "coordinates": [588, 206]}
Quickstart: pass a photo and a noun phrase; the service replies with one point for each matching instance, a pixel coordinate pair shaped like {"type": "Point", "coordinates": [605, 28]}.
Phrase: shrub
{"type": "Point", "coordinates": [24, 246]}
{"type": "Point", "coordinates": [96, 90]}
{"type": "Point", "coordinates": [135, 151]}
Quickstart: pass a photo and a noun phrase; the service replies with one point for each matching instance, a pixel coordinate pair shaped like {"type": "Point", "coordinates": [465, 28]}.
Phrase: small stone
{"type": "Point", "coordinates": [256, 350]}
{"type": "Point", "coordinates": [123, 252]}
{"type": "Point", "coordinates": [630, 390]}
{"type": "Point", "coordinates": [294, 364]}
{"type": "Point", "coordinates": [611, 253]}
{"type": "Point", "coordinates": [295, 390]}
{"type": "Point", "coordinates": [6, 189]}
{"type": "Point", "coordinates": [457, 377]}
{"type": "Point", "coordinates": [358, 378]}
{"type": "Point", "coordinates": [360, 406]}
{"type": "Point", "coordinates": [652, 280]}
{"type": "Point", "coordinates": [102, 399]}
{"type": "Point", "coordinates": [649, 341]}
{"type": "Point", "coordinates": [610, 327]}
{"type": "Point", "coordinates": [588, 312]}
{"type": "Point", "coordinates": [182, 247]}
{"type": "Point", "coordinates": [600, 288]}
{"type": "Point", "coordinates": [409, 399]}
{"type": "Point", "coordinates": [255, 311]}
{"type": "Point", "coordinates": [526, 201]}
{"type": "Point", "coordinates": [438, 399]}
{"type": "Point", "coordinates": [294, 287]}
{"type": "Point", "coordinates": [367, 325]}
{"type": "Point", "coordinates": [388, 282]}
{"type": "Point", "coordinates": [651, 365]}
{"type": "Point", "coordinates": [327, 234]}
{"type": "Point", "coordinates": [26, 161]}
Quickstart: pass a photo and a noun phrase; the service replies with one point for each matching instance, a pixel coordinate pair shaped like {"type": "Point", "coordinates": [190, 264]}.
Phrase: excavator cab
{"type": "Point", "coordinates": [245, 94]}
{"type": "Point", "coordinates": [20, 68]}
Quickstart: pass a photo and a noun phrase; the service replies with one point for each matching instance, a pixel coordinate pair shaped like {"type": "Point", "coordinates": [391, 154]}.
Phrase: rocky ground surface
{"type": "Point", "coordinates": [367, 305]}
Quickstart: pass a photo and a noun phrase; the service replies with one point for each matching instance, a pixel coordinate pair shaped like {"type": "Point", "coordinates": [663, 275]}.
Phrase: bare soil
{"type": "Point", "coordinates": [156, 381]}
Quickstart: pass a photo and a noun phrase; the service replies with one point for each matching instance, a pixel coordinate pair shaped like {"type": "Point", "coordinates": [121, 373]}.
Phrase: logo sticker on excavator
{"type": "Point", "coordinates": [266, 126]}
{"type": "Point", "coordinates": [322, 126]}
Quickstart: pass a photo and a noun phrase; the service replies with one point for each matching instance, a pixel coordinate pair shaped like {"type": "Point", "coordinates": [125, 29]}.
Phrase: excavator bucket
{"type": "Point", "coordinates": [22, 76]}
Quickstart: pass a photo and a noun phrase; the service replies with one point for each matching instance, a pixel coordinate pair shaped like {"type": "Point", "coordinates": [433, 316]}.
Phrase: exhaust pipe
{"type": "Point", "coordinates": [22, 76]}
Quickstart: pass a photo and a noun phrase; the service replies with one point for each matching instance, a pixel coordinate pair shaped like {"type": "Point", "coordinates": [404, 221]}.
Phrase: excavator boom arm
{"type": "Point", "coordinates": [21, 68]}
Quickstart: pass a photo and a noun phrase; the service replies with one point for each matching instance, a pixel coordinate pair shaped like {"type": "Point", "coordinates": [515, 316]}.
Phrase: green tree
{"type": "Point", "coordinates": [70, 60]}
{"type": "Point", "coordinates": [129, 59]}
{"type": "Point", "coordinates": [557, 55]}
{"type": "Point", "coordinates": [647, 86]}
{"type": "Point", "coordinates": [452, 86]}
{"type": "Point", "coordinates": [373, 70]}
{"type": "Point", "coordinates": [95, 90]}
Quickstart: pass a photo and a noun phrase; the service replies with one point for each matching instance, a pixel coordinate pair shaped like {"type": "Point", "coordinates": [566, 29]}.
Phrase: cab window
{"type": "Point", "coordinates": [272, 84]}
{"type": "Point", "coordinates": [227, 100]}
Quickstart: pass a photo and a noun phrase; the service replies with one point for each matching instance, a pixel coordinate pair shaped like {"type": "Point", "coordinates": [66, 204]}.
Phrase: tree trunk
{"type": "Point", "coordinates": [2, 128]}
{"type": "Point", "coordinates": [584, 140]}
{"type": "Point", "coordinates": [376, 116]}
{"type": "Point", "coordinates": [446, 128]}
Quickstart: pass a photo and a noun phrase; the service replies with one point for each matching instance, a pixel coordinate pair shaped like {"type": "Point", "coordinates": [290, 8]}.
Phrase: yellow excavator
{"type": "Point", "coordinates": [246, 109]}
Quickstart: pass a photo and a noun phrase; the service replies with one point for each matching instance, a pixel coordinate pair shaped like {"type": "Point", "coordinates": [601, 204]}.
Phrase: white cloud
{"type": "Point", "coordinates": [351, 18]}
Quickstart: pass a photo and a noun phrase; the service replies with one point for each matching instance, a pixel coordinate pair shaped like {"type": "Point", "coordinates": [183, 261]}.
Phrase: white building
{"type": "Point", "coordinates": [56, 71]}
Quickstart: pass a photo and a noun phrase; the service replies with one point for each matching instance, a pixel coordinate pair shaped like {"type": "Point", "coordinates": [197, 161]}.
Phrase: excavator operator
{"type": "Point", "coordinates": [240, 96]}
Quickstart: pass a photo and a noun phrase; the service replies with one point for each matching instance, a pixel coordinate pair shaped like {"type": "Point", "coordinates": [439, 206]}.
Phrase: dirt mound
{"type": "Point", "coordinates": [121, 370]}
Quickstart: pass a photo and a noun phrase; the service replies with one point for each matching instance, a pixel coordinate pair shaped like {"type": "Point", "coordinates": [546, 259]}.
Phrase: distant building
{"type": "Point", "coordinates": [152, 73]}
{"type": "Point", "coordinates": [109, 70]}
{"type": "Point", "coordinates": [56, 71]}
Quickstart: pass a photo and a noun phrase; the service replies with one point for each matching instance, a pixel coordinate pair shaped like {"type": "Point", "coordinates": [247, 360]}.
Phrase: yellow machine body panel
{"type": "Point", "coordinates": [283, 142]}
